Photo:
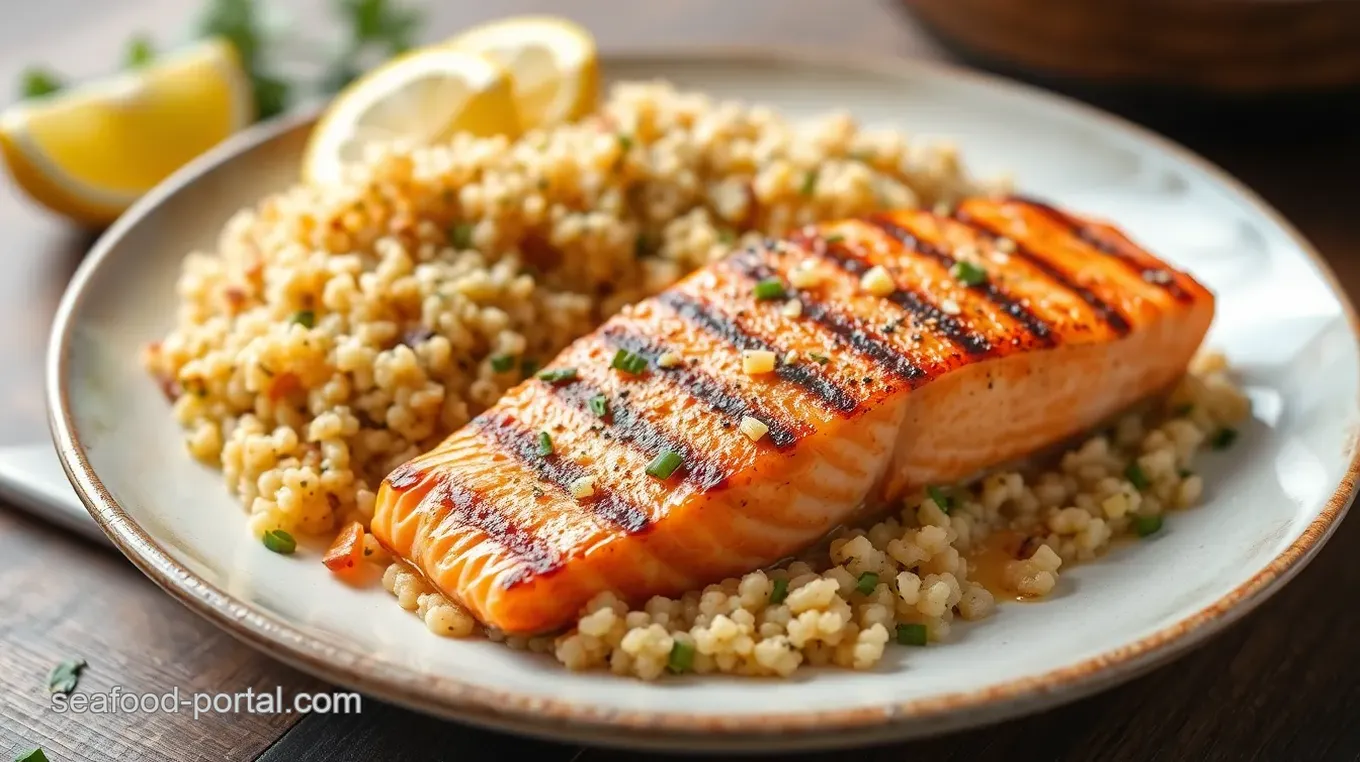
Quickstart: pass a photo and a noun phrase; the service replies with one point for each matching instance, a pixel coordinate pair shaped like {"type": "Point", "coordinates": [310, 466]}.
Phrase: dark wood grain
{"type": "Point", "coordinates": [1284, 684]}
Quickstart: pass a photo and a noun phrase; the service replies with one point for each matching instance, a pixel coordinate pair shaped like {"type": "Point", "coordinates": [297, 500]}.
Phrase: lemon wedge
{"type": "Point", "coordinates": [90, 151]}
{"type": "Point", "coordinates": [423, 97]}
{"type": "Point", "coordinates": [551, 61]}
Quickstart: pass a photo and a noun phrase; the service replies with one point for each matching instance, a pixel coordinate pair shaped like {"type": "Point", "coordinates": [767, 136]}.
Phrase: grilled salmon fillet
{"type": "Point", "coordinates": [647, 460]}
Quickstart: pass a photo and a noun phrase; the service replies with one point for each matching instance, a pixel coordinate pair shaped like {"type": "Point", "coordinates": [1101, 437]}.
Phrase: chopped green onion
{"type": "Point", "coordinates": [968, 273]}
{"type": "Point", "coordinates": [1146, 525]}
{"type": "Point", "coordinates": [139, 52]}
{"type": "Point", "coordinates": [528, 366]}
{"type": "Point", "coordinates": [1185, 409]}
{"type": "Point", "coordinates": [1185, 473]}
{"type": "Point", "coordinates": [557, 375]}
{"type": "Point", "coordinates": [279, 541]}
{"type": "Point", "coordinates": [461, 236]}
{"type": "Point", "coordinates": [628, 362]}
{"type": "Point", "coordinates": [779, 592]}
{"type": "Point", "coordinates": [39, 82]}
{"type": "Point", "coordinates": [767, 289]}
{"type": "Point", "coordinates": [64, 677]}
{"type": "Point", "coordinates": [1223, 438]}
{"type": "Point", "coordinates": [681, 658]}
{"type": "Point", "coordinates": [726, 235]}
{"type": "Point", "coordinates": [911, 634]}
{"type": "Point", "coordinates": [819, 358]}
{"type": "Point", "coordinates": [545, 447]}
{"type": "Point", "coordinates": [599, 405]}
{"type": "Point", "coordinates": [305, 318]}
{"type": "Point", "coordinates": [941, 499]}
{"type": "Point", "coordinates": [502, 363]}
{"type": "Point", "coordinates": [1137, 477]}
{"type": "Point", "coordinates": [809, 183]}
{"type": "Point", "coordinates": [32, 755]}
{"type": "Point", "coordinates": [664, 464]}
{"type": "Point", "coordinates": [867, 582]}
{"type": "Point", "coordinates": [834, 239]}
{"type": "Point", "coordinates": [625, 142]}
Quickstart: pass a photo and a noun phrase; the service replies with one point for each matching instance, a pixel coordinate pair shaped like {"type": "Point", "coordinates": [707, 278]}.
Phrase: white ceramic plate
{"type": "Point", "coordinates": [1271, 503]}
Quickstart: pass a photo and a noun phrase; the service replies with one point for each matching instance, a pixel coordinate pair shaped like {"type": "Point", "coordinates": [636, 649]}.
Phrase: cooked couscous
{"type": "Point", "coordinates": [336, 332]}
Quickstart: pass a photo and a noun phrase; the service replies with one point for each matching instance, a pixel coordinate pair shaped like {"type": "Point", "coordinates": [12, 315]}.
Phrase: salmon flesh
{"type": "Point", "coordinates": [924, 348]}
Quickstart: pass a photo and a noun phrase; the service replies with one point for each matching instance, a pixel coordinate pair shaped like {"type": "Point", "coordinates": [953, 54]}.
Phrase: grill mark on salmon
{"type": "Point", "coordinates": [1158, 276]}
{"type": "Point", "coordinates": [703, 316]}
{"type": "Point", "coordinates": [501, 426]}
{"type": "Point", "coordinates": [404, 476]}
{"type": "Point", "coordinates": [629, 427]}
{"type": "Point", "coordinates": [845, 329]}
{"type": "Point", "coordinates": [1008, 304]}
{"type": "Point", "coordinates": [1111, 316]}
{"type": "Point", "coordinates": [717, 395]}
{"type": "Point", "coordinates": [468, 508]}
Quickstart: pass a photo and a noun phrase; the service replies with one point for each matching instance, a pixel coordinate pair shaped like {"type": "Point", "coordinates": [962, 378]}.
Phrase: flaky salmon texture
{"type": "Point", "coordinates": [738, 417]}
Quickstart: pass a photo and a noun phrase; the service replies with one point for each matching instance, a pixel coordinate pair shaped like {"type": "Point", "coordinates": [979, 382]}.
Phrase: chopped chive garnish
{"type": "Point", "coordinates": [557, 375]}
{"type": "Point", "coordinates": [545, 447]}
{"type": "Point", "coordinates": [644, 246]}
{"type": "Point", "coordinates": [941, 499]}
{"type": "Point", "coordinates": [809, 183]}
{"type": "Point", "coordinates": [911, 634]}
{"type": "Point", "coordinates": [279, 541]}
{"type": "Point", "coordinates": [32, 755]}
{"type": "Point", "coordinates": [835, 238]}
{"type": "Point", "coordinates": [726, 235]}
{"type": "Point", "coordinates": [968, 273]}
{"type": "Point", "coordinates": [1185, 409]}
{"type": "Point", "coordinates": [1223, 438]}
{"type": "Point", "coordinates": [628, 362]}
{"type": "Point", "coordinates": [65, 676]}
{"type": "Point", "coordinates": [819, 358]}
{"type": "Point", "coordinates": [528, 366]}
{"type": "Point", "coordinates": [305, 318]}
{"type": "Point", "coordinates": [1146, 525]}
{"type": "Point", "coordinates": [1185, 473]}
{"type": "Point", "coordinates": [779, 592]}
{"type": "Point", "coordinates": [767, 289]}
{"type": "Point", "coordinates": [599, 405]}
{"type": "Point", "coordinates": [502, 363]}
{"type": "Point", "coordinates": [681, 658]}
{"type": "Point", "coordinates": [461, 236]}
{"type": "Point", "coordinates": [1137, 477]}
{"type": "Point", "coordinates": [39, 82]}
{"type": "Point", "coordinates": [625, 142]}
{"type": "Point", "coordinates": [867, 582]}
{"type": "Point", "coordinates": [663, 465]}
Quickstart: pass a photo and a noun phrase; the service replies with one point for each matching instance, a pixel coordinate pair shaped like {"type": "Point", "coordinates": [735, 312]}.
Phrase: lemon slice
{"type": "Point", "coordinates": [423, 97]}
{"type": "Point", "coordinates": [551, 60]}
{"type": "Point", "coordinates": [90, 151]}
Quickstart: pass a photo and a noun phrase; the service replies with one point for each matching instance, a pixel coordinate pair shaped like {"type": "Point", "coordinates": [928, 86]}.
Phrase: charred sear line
{"type": "Point", "coordinates": [404, 476]}
{"type": "Point", "coordinates": [523, 446]}
{"type": "Point", "coordinates": [639, 433]}
{"type": "Point", "coordinates": [1084, 233]}
{"type": "Point", "coordinates": [468, 508]}
{"type": "Point", "coordinates": [706, 389]}
{"type": "Point", "coordinates": [845, 329]}
{"type": "Point", "coordinates": [1011, 306]}
{"type": "Point", "coordinates": [1112, 317]}
{"type": "Point", "coordinates": [703, 316]}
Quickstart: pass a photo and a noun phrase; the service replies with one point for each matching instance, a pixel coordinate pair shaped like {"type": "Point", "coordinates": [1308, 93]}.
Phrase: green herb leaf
{"type": "Point", "coordinates": [726, 235]}
{"type": "Point", "coordinates": [912, 634]}
{"type": "Point", "coordinates": [1146, 525]}
{"type": "Point", "coordinates": [819, 358]}
{"type": "Point", "coordinates": [272, 95]}
{"type": "Point", "coordinates": [279, 541]}
{"type": "Point", "coordinates": [968, 273]}
{"type": "Point", "coordinates": [139, 52]}
{"type": "Point", "coordinates": [625, 143]}
{"type": "Point", "coordinates": [557, 375]}
{"type": "Point", "coordinates": [545, 445]}
{"type": "Point", "coordinates": [941, 499]}
{"type": "Point", "coordinates": [64, 677]}
{"type": "Point", "coordinates": [305, 318]}
{"type": "Point", "coordinates": [36, 82]}
{"type": "Point", "coordinates": [867, 582]}
{"type": "Point", "coordinates": [460, 236]}
{"type": "Point", "coordinates": [831, 240]}
{"type": "Point", "coordinates": [1137, 476]}
{"type": "Point", "coordinates": [238, 23]}
{"type": "Point", "coordinates": [340, 73]}
{"type": "Point", "coordinates": [528, 366]}
{"type": "Point", "coordinates": [767, 289]}
{"type": "Point", "coordinates": [644, 246]}
{"type": "Point", "coordinates": [502, 363]}
{"type": "Point", "coordinates": [628, 362]}
{"type": "Point", "coordinates": [779, 592]}
{"type": "Point", "coordinates": [1223, 438]}
{"type": "Point", "coordinates": [1185, 473]}
{"type": "Point", "coordinates": [599, 405]}
{"type": "Point", "coordinates": [681, 658]}
{"type": "Point", "coordinates": [32, 755]}
{"type": "Point", "coordinates": [664, 464]}
{"type": "Point", "coordinates": [1183, 410]}
{"type": "Point", "coordinates": [809, 183]}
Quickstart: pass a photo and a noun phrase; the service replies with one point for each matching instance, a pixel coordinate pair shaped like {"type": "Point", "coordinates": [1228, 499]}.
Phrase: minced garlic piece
{"type": "Point", "coordinates": [792, 308]}
{"type": "Point", "coordinates": [877, 281]}
{"type": "Point", "coordinates": [950, 307]}
{"type": "Point", "coordinates": [755, 361]}
{"type": "Point", "coordinates": [583, 487]}
{"type": "Point", "coordinates": [790, 357]}
{"type": "Point", "coordinates": [668, 360]}
{"type": "Point", "coordinates": [753, 428]}
{"type": "Point", "coordinates": [805, 275]}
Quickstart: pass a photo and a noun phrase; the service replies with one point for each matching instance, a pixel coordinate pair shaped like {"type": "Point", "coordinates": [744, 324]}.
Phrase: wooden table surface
{"type": "Point", "coordinates": [1282, 685]}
